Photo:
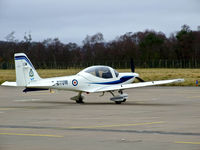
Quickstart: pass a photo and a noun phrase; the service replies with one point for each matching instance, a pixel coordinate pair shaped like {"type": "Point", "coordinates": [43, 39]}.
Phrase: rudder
{"type": "Point", "coordinates": [25, 71]}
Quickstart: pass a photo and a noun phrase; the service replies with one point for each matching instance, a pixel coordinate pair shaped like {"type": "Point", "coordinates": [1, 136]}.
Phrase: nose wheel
{"type": "Point", "coordinates": [118, 102]}
{"type": "Point", "coordinates": [118, 99]}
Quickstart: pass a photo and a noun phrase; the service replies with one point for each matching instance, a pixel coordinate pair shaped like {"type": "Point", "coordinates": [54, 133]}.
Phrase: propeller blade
{"type": "Point", "coordinates": [141, 80]}
{"type": "Point", "coordinates": [132, 65]}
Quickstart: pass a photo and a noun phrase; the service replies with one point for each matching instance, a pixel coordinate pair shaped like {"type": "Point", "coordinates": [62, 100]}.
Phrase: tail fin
{"type": "Point", "coordinates": [25, 72]}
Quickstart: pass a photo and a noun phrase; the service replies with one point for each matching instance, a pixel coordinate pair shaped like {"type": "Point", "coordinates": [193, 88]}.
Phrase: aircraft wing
{"type": "Point", "coordinates": [6, 83]}
{"type": "Point", "coordinates": [136, 85]}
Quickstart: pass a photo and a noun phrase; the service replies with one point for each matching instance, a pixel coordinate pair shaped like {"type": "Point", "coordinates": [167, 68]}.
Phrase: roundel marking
{"type": "Point", "coordinates": [74, 82]}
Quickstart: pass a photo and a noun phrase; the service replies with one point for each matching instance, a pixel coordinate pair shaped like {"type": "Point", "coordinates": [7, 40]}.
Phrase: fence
{"type": "Point", "coordinates": [114, 64]}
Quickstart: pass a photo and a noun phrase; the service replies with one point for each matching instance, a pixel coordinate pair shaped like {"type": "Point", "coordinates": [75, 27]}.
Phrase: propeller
{"type": "Point", "coordinates": [133, 70]}
{"type": "Point", "coordinates": [132, 65]}
{"type": "Point", "coordinates": [141, 80]}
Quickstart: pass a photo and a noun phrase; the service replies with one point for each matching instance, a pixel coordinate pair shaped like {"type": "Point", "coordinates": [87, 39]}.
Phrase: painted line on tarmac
{"type": "Point", "coordinates": [2, 110]}
{"type": "Point", "coordinates": [119, 125]}
{"type": "Point", "coordinates": [183, 142]}
{"type": "Point", "coordinates": [5, 108]}
{"type": "Point", "coordinates": [26, 100]}
{"type": "Point", "coordinates": [37, 135]}
{"type": "Point", "coordinates": [194, 96]}
{"type": "Point", "coordinates": [189, 92]}
{"type": "Point", "coordinates": [109, 130]}
{"type": "Point", "coordinates": [5, 128]}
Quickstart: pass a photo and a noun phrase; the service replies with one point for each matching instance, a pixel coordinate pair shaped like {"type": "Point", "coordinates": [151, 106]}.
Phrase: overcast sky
{"type": "Point", "coordinates": [72, 20]}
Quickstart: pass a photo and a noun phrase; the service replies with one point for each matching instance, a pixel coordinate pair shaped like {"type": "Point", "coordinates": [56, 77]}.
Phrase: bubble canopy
{"type": "Point", "coordinates": [102, 72]}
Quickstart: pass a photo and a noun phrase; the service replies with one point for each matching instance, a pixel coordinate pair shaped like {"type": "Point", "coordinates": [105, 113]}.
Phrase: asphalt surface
{"type": "Point", "coordinates": [152, 118]}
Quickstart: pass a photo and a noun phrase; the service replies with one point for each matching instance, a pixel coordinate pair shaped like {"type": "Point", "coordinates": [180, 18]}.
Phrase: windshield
{"type": "Point", "coordinates": [100, 71]}
{"type": "Point", "coordinates": [116, 73]}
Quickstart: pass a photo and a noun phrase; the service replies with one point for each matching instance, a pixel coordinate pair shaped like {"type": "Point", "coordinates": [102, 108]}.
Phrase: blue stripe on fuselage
{"type": "Point", "coordinates": [24, 57]}
{"type": "Point", "coordinates": [121, 80]}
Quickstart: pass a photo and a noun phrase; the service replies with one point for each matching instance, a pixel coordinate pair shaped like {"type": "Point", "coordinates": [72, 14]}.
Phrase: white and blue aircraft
{"type": "Point", "coordinates": [94, 79]}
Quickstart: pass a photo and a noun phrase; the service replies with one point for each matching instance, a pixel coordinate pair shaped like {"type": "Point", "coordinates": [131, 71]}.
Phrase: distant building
{"type": "Point", "coordinates": [198, 28]}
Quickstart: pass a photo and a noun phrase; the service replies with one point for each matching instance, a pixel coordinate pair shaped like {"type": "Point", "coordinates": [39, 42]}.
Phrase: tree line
{"type": "Point", "coordinates": [148, 49]}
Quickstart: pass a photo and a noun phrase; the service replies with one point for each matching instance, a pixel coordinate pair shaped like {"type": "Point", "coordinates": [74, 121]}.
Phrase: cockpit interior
{"type": "Point", "coordinates": [102, 72]}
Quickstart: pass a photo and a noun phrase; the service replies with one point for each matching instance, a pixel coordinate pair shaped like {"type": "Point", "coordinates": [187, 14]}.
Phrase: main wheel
{"type": "Point", "coordinates": [80, 100]}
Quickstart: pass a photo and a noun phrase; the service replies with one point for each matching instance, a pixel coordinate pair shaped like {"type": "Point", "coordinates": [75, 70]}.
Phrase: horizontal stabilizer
{"type": "Point", "coordinates": [40, 85]}
{"type": "Point", "coordinates": [9, 84]}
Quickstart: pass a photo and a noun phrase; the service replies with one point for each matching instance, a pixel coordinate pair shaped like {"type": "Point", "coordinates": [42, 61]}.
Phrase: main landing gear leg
{"type": "Point", "coordinates": [121, 92]}
{"type": "Point", "coordinates": [80, 99]}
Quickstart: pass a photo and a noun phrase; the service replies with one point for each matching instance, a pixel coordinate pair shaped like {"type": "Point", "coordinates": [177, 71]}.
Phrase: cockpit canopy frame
{"type": "Point", "coordinates": [104, 72]}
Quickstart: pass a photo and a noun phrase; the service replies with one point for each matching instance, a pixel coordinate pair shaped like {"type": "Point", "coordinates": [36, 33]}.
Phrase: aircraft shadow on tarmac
{"type": "Point", "coordinates": [133, 103]}
{"type": "Point", "coordinates": [62, 104]}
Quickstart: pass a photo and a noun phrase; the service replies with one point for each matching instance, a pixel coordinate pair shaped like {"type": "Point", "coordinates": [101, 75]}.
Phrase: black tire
{"type": "Point", "coordinates": [80, 101]}
{"type": "Point", "coordinates": [118, 102]}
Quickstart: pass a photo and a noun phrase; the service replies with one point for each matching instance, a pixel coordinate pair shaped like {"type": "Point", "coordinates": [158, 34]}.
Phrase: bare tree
{"type": "Point", "coordinates": [10, 37]}
{"type": "Point", "coordinates": [28, 37]}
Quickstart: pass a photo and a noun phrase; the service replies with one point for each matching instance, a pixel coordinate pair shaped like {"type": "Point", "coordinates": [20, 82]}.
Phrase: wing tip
{"type": "Point", "coordinates": [180, 80]}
